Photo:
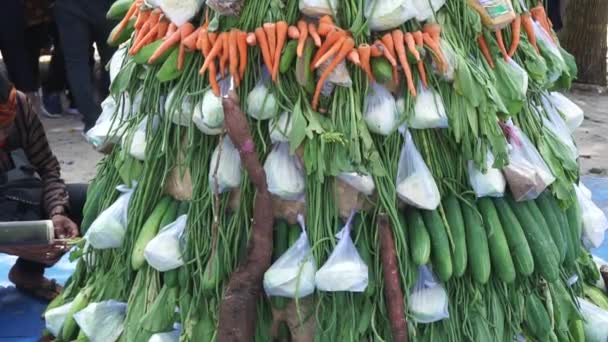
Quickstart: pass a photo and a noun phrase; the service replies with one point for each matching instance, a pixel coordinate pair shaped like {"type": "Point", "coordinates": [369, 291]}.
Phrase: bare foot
{"type": "Point", "coordinates": [34, 284]}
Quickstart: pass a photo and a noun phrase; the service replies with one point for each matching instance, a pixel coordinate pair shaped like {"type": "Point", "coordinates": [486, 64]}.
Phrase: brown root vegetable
{"type": "Point", "coordinates": [393, 294]}
{"type": "Point", "coordinates": [288, 210]}
{"type": "Point", "coordinates": [301, 331]}
{"type": "Point", "coordinates": [350, 199]}
{"type": "Point", "coordinates": [238, 307]}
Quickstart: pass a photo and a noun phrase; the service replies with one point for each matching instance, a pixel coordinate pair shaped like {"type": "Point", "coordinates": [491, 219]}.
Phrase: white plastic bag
{"type": "Point", "coordinates": [339, 76]}
{"type": "Point", "coordinates": [572, 113]}
{"type": "Point", "coordinates": [595, 222]}
{"type": "Point", "coordinates": [523, 73]}
{"type": "Point", "coordinates": [110, 126]}
{"type": "Point", "coordinates": [116, 62]}
{"type": "Point", "coordinates": [55, 318]}
{"type": "Point", "coordinates": [180, 11]}
{"type": "Point", "coordinates": [293, 274]}
{"type": "Point", "coordinates": [103, 321]}
{"type": "Point", "coordinates": [228, 174]}
{"type": "Point", "coordinates": [451, 60]}
{"type": "Point", "coordinates": [280, 128]}
{"type": "Point", "coordinates": [527, 173]}
{"type": "Point", "coordinates": [109, 228]}
{"type": "Point", "coordinates": [428, 301]}
{"type": "Point", "coordinates": [556, 124]}
{"type": "Point", "coordinates": [261, 102]}
{"type": "Point", "coordinates": [387, 14]}
{"type": "Point", "coordinates": [284, 173]}
{"type": "Point", "coordinates": [164, 252]}
{"type": "Point", "coordinates": [544, 37]}
{"type": "Point", "coordinates": [426, 9]}
{"type": "Point", "coordinates": [492, 183]}
{"type": "Point", "coordinates": [429, 110]}
{"type": "Point", "coordinates": [595, 320]}
{"type": "Point", "coordinates": [209, 114]}
{"type": "Point", "coordinates": [599, 262]}
{"type": "Point", "coordinates": [179, 110]}
{"type": "Point", "coordinates": [344, 270]}
{"type": "Point", "coordinates": [415, 183]}
{"type": "Point", "coordinates": [135, 143]}
{"type": "Point", "coordinates": [381, 114]}
{"type": "Point", "coordinates": [318, 8]}
{"type": "Point", "coordinates": [364, 183]}
{"type": "Point", "coordinates": [169, 336]}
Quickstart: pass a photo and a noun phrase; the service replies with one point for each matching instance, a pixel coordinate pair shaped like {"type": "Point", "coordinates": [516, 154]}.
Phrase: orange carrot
{"type": "Point", "coordinates": [377, 50]}
{"type": "Point", "coordinates": [501, 44]}
{"type": "Point", "coordinates": [422, 72]}
{"type": "Point", "coordinates": [242, 48]}
{"type": "Point", "coordinates": [329, 53]}
{"type": "Point", "coordinates": [215, 51]}
{"type": "Point", "coordinates": [325, 28]}
{"type": "Point", "coordinates": [365, 56]}
{"type": "Point", "coordinates": [142, 17]}
{"type": "Point", "coordinates": [346, 48]}
{"type": "Point", "coordinates": [206, 47]}
{"type": "Point", "coordinates": [171, 30]}
{"type": "Point", "coordinates": [411, 45]}
{"type": "Point", "coordinates": [526, 21]}
{"type": "Point", "coordinates": [125, 21]}
{"type": "Point", "coordinates": [434, 30]}
{"type": "Point", "coordinates": [389, 43]}
{"type": "Point", "coordinates": [271, 35]}
{"type": "Point", "coordinates": [434, 46]}
{"type": "Point", "coordinates": [190, 40]}
{"type": "Point", "coordinates": [354, 58]}
{"type": "Point", "coordinates": [326, 19]}
{"type": "Point", "coordinates": [260, 36]}
{"type": "Point", "coordinates": [539, 14]}
{"type": "Point", "coordinates": [234, 56]}
{"type": "Point", "coordinates": [166, 45]}
{"type": "Point", "coordinates": [185, 31]}
{"type": "Point", "coordinates": [251, 39]}
{"type": "Point", "coordinates": [418, 38]}
{"type": "Point", "coordinates": [143, 36]}
{"type": "Point", "coordinates": [515, 34]}
{"type": "Point", "coordinates": [483, 45]}
{"type": "Point", "coordinates": [303, 27]}
{"type": "Point", "coordinates": [329, 42]}
{"type": "Point", "coordinates": [163, 26]}
{"type": "Point", "coordinates": [282, 28]}
{"type": "Point", "coordinates": [312, 31]}
{"type": "Point", "coordinates": [399, 41]}
{"type": "Point", "coordinates": [202, 34]}
{"type": "Point", "coordinates": [225, 55]}
{"type": "Point", "coordinates": [205, 43]}
{"type": "Point", "coordinates": [293, 32]}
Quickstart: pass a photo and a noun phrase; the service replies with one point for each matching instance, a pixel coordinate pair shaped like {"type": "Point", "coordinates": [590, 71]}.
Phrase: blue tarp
{"type": "Point", "coordinates": [20, 319]}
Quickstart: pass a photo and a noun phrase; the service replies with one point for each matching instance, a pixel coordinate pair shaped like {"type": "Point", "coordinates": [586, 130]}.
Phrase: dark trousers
{"type": "Point", "coordinates": [79, 23]}
{"type": "Point", "coordinates": [78, 196]}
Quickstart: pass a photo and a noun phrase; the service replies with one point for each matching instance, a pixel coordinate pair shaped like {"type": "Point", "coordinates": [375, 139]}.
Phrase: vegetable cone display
{"type": "Point", "coordinates": [420, 148]}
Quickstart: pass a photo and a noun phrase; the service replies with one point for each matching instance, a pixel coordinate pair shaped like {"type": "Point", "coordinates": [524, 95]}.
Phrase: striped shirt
{"type": "Point", "coordinates": [28, 134]}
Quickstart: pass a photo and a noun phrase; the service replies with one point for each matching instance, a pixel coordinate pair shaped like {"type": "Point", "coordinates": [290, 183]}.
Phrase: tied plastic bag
{"type": "Point", "coordinates": [135, 143]}
{"type": "Point", "coordinates": [550, 51]}
{"type": "Point", "coordinates": [557, 126]}
{"type": "Point", "coordinates": [280, 128]}
{"type": "Point", "coordinates": [381, 114]}
{"type": "Point", "coordinates": [103, 321]}
{"type": "Point", "coordinates": [179, 108]}
{"type": "Point", "coordinates": [489, 182]}
{"type": "Point", "coordinates": [110, 126]}
{"type": "Point", "coordinates": [527, 173]}
{"type": "Point", "coordinates": [180, 11]}
{"type": "Point", "coordinates": [427, 8]}
{"type": "Point", "coordinates": [428, 301]}
{"type": "Point", "coordinates": [55, 318]}
{"type": "Point", "coordinates": [572, 113]}
{"type": "Point", "coordinates": [364, 183]}
{"type": "Point", "coordinates": [415, 183]}
{"type": "Point", "coordinates": [169, 336]}
{"type": "Point", "coordinates": [429, 110]}
{"type": "Point", "coordinates": [261, 102]}
{"type": "Point", "coordinates": [387, 14]}
{"type": "Point", "coordinates": [595, 222]}
{"type": "Point", "coordinates": [164, 252]}
{"type": "Point", "coordinates": [293, 274]}
{"type": "Point", "coordinates": [318, 8]}
{"type": "Point", "coordinates": [284, 173]}
{"type": "Point", "coordinates": [109, 228]}
{"type": "Point", "coordinates": [208, 114]}
{"type": "Point", "coordinates": [116, 62]}
{"type": "Point", "coordinates": [225, 167]}
{"type": "Point", "coordinates": [344, 270]}
{"type": "Point", "coordinates": [595, 321]}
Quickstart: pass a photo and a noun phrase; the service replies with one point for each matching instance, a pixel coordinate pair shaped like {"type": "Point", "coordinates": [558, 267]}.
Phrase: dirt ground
{"type": "Point", "coordinates": [78, 159]}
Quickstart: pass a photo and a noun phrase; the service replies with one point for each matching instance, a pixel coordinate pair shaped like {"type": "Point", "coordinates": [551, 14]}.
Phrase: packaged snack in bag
{"type": "Point", "coordinates": [228, 173]}
{"type": "Point", "coordinates": [428, 300]}
{"type": "Point", "coordinates": [380, 114]}
{"type": "Point", "coordinates": [595, 222]}
{"type": "Point", "coordinates": [489, 182]}
{"type": "Point", "coordinates": [208, 114]}
{"type": "Point", "coordinates": [495, 14]}
{"type": "Point", "coordinates": [572, 113]}
{"type": "Point", "coordinates": [527, 173]}
{"type": "Point", "coordinates": [293, 274]}
{"type": "Point", "coordinates": [284, 173]}
{"type": "Point", "coordinates": [109, 228]}
{"type": "Point", "coordinates": [164, 252]}
{"type": "Point", "coordinates": [55, 318]}
{"type": "Point", "coordinates": [344, 270]}
{"type": "Point", "coordinates": [415, 183]}
{"type": "Point", "coordinates": [103, 321]}
{"type": "Point", "coordinates": [429, 110]}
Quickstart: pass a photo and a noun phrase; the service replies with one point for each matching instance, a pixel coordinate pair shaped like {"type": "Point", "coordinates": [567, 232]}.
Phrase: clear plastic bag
{"type": "Point", "coordinates": [280, 128]}
{"type": "Point", "coordinates": [284, 173]}
{"type": "Point", "coordinates": [228, 174]}
{"type": "Point", "coordinates": [110, 126]}
{"type": "Point", "coordinates": [381, 114]}
{"type": "Point", "coordinates": [318, 8]}
{"type": "Point", "coordinates": [556, 124]}
{"type": "Point", "coordinates": [180, 11]}
{"type": "Point", "coordinates": [135, 143]}
{"type": "Point", "coordinates": [426, 9]}
{"type": "Point", "coordinates": [338, 77]}
{"type": "Point", "coordinates": [595, 321]}
{"type": "Point", "coordinates": [179, 110]}
{"type": "Point", "coordinates": [524, 80]}
{"type": "Point", "coordinates": [572, 113]}
{"type": "Point", "coordinates": [344, 270]}
{"type": "Point", "coordinates": [169, 336]}
{"type": "Point", "coordinates": [109, 228]}
{"type": "Point", "coordinates": [116, 62]}
{"type": "Point", "coordinates": [261, 102]}
{"type": "Point", "coordinates": [164, 252]}
{"type": "Point", "coordinates": [293, 274]}
{"type": "Point", "coordinates": [429, 110]}
{"type": "Point", "coordinates": [488, 183]}
{"type": "Point", "coordinates": [428, 300]}
{"type": "Point", "coordinates": [55, 318]}
{"type": "Point", "coordinates": [544, 38]}
{"type": "Point", "coordinates": [387, 14]}
{"type": "Point", "coordinates": [103, 321]}
{"type": "Point", "coordinates": [415, 183]}
{"type": "Point", "coordinates": [364, 183]}
{"type": "Point", "coordinates": [595, 222]}
{"type": "Point", "coordinates": [527, 173]}
{"type": "Point", "coordinates": [208, 114]}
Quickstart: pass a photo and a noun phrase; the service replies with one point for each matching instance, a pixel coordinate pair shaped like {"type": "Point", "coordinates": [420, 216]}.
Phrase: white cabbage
{"type": "Point", "coordinates": [280, 128]}
{"type": "Point", "coordinates": [229, 168]}
{"type": "Point", "coordinates": [283, 173]}
{"type": "Point", "coordinates": [209, 114]}
{"type": "Point", "coordinates": [261, 103]}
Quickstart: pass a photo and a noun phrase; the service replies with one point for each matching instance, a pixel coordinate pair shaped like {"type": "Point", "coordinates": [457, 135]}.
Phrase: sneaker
{"type": "Point", "coordinates": [52, 103]}
{"type": "Point", "coordinates": [35, 100]}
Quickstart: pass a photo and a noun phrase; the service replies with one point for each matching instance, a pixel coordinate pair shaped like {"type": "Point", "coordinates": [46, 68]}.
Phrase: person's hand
{"type": "Point", "coordinates": [64, 227]}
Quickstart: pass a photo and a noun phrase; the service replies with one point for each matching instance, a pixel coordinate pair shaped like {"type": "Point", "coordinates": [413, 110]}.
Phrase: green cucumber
{"type": "Point", "coordinates": [148, 232]}
{"type": "Point", "coordinates": [453, 214]}
{"type": "Point", "coordinates": [477, 245]}
{"type": "Point", "coordinates": [124, 35]}
{"type": "Point", "coordinates": [144, 54]}
{"type": "Point", "coordinates": [171, 278]}
{"type": "Point", "coordinates": [212, 274]}
{"type": "Point", "coordinates": [382, 69]}
{"type": "Point", "coordinates": [418, 236]}
{"type": "Point", "coordinates": [502, 263]}
{"type": "Point", "coordinates": [542, 223]}
{"type": "Point", "coordinates": [119, 9]}
{"type": "Point", "coordinates": [537, 321]}
{"type": "Point", "coordinates": [69, 330]}
{"type": "Point", "coordinates": [575, 224]}
{"type": "Point", "coordinates": [169, 71]}
{"type": "Point", "coordinates": [440, 244]}
{"type": "Point", "coordinates": [289, 55]}
{"type": "Point", "coordinates": [553, 224]}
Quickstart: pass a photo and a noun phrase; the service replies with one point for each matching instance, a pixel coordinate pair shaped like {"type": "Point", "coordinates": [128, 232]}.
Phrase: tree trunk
{"type": "Point", "coordinates": [584, 36]}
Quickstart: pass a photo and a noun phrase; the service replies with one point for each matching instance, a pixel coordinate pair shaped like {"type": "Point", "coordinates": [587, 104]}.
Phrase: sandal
{"type": "Point", "coordinates": [38, 286]}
